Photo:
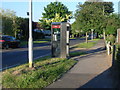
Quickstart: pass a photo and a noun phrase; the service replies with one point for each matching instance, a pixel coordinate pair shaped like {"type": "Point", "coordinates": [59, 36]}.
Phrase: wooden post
{"type": "Point", "coordinates": [104, 35]}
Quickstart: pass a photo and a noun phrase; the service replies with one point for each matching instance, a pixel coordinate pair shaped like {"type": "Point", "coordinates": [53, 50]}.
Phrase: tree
{"type": "Point", "coordinates": [7, 21]}
{"type": "Point", "coordinates": [54, 10]}
{"type": "Point", "coordinates": [91, 15]}
{"type": "Point", "coordinates": [112, 24]}
{"type": "Point", "coordinates": [88, 17]}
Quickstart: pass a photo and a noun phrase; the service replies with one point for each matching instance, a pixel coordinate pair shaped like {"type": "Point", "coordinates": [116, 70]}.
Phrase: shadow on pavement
{"type": "Point", "coordinates": [90, 52]}
{"type": "Point", "coordinates": [107, 79]}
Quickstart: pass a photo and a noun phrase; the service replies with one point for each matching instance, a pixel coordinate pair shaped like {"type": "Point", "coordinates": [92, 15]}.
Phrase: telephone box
{"type": "Point", "coordinates": [60, 39]}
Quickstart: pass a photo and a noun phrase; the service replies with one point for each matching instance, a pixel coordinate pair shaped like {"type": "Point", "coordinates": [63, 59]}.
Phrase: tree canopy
{"type": "Point", "coordinates": [91, 15]}
{"type": "Point", "coordinates": [53, 12]}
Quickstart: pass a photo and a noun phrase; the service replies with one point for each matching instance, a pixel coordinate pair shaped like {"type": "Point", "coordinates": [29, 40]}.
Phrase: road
{"type": "Point", "coordinates": [14, 57]}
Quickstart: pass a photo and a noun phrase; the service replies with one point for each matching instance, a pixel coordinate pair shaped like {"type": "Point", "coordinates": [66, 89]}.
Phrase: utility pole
{"type": "Point", "coordinates": [30, 44]}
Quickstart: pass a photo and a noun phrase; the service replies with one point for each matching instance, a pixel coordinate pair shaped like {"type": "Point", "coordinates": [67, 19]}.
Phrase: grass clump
{"type": "Point", "coordinates": [44, 73]}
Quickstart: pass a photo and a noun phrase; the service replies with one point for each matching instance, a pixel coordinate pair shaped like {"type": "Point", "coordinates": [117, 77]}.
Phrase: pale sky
{"type": "Point", "coordinates": [22, 6]}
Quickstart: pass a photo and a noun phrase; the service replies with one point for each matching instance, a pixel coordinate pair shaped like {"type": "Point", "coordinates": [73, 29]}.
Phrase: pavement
{"type": "Point", "coordinates": [93, 70]}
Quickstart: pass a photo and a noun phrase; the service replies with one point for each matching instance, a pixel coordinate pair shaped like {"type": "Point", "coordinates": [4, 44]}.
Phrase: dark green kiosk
{"type": "Point", "coordinates": [60, 39]}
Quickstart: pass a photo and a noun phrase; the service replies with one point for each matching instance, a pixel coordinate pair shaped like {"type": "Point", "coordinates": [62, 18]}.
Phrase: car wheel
{"type": "Point", "coordinates": [7, 46]}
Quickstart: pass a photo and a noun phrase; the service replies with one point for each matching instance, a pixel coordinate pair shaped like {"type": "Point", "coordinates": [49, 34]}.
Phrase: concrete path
{"type": "Point", "coordinates": [91, 71]}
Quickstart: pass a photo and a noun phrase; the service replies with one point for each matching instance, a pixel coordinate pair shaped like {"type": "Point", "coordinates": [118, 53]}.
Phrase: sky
{"type": "Point", "coordinates": [21, 7]}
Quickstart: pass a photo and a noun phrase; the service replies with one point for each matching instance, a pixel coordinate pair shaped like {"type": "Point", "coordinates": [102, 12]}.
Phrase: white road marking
{"type": "Point", "coordinates": [41, 56]}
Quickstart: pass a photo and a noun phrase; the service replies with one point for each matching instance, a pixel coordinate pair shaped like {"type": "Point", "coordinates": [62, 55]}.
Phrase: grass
{"type": "Point", "coordinates": [45, 72]}
{"type": "Point", "coordinates": [40, 41]}
{"type": "Point", "coordinates": [23, 43]}
{"type": "Point", "coordinates": [90, 44]}
{"type": "Point", "coordinates": [86, 45]}
{"type": "Point", "coordinates": [73, 54]}
{"type": "Point", "coordinates": [95, 40]}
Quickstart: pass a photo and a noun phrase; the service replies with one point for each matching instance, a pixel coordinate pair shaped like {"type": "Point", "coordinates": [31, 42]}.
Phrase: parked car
{"type": "Point", "coordinates": [8, 42]}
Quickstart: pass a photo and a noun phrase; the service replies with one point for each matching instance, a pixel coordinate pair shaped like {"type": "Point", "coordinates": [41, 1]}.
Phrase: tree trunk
{"type": "Point", "coordinates": [104, 35]}
{"type": "Point", "coordinates": [15, 34]}
{"type": "Point", "coordinates": [86, 38]}
{"type": "Point", "coordinates": [97, 36]}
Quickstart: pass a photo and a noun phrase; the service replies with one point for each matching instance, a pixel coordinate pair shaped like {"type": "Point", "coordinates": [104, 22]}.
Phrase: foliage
{"type": "Point", "coordinates": [91, 15]}
{"type": "Point", "coordinates": [57, 18]}
{"type": "Point", "coordinates": [55, 11]}
{"type": "Point", "coordinates": [111, 38]}
{"type": "Point", "coordinates": [14, 25]}
{"type": "Point", "coordinates": [111, 28]}
{"type": "Point", "coordinates": [7, 21]}
{"type": "Point", "coordinates": [113, 23]}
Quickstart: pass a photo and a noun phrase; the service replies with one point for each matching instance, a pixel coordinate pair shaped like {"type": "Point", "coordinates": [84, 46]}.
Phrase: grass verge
{"type": "Point", "coordinates": [90, 44]}
{"type": "Point", "coordinates": [40, 41]}
{"type": "Point", "coordinates": [45, 72]}
{"type": "Point", "coordinates": [86, 45]}
{"type": "Point", "coordinates": [23, 43]}
{"type": "Point", "coordinates": [73, 54]}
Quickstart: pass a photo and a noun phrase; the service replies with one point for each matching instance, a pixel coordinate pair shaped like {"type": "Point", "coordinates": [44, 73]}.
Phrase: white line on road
{"type": "Point", "coordinates": [9, 67]}
{"type": "Point", "coordinates": [41, 56]}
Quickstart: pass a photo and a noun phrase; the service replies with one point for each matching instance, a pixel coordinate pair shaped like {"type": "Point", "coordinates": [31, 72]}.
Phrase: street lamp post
{"type": "Point", "coordinates": [30, 44]}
